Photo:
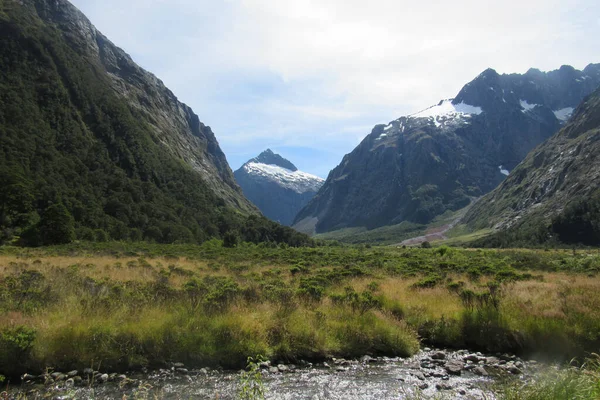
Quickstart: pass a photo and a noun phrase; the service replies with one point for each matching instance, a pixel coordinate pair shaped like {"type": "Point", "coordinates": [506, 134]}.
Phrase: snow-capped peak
{"type": "Point", "coordinates": [298, 181]}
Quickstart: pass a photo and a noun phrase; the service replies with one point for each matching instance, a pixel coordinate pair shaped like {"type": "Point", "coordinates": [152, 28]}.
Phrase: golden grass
{"type": "Point", "coordinates": [81, 327]}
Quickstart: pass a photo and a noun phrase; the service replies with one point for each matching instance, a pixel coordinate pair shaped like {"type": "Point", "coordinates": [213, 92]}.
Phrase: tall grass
{"type": "Point", "coordinates": [71, 307]}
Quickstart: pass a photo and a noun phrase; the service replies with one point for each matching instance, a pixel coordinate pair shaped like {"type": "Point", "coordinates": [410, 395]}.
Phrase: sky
{"type": "Point", "coordinates": [310, 78]}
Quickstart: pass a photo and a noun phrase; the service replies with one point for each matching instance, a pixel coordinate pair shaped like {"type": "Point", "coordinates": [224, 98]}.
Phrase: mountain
{"type": "Point", "coordinates": [554, 194]}
{"type": "Point", "coordinates": [425, 164]}
{"type": "Point", "coordinates": [276, 186]}
{"type": "Point", "coordinates": [90, 138]}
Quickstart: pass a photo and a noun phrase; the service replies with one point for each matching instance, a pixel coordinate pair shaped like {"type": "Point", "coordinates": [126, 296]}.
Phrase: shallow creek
{"type": "Point", "coordinates": [428, 374]}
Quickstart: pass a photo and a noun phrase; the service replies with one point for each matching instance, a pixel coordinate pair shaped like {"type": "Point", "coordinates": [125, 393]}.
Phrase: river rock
{"type": "Point", "coordinates": [273, 370]}
{"type": "Point", "coordinates": [472, 357]}
{"type": "Point", "coordinates": [283, 368]}
{"type": "Point", "coordinates": [182, 371]}
{"type": "Point", "coordinates": [423, 386]}
{"type": "Point", "coordinates": [514, 370]}
{"type": "Point", "coordinates": [265, 364]}
{"type": "Point", "coordinates": [419, 375]}
{"type": "Point", "coordinates": [454, 367]}
{"type": "Point", "coordinates": [492, 360]}
{"type": "Point", "coordinates": [438, 355]}
{"type": "Point", "coordinates": [102, 378]}
{"type": "Point", "coordinates": [58, 376]}
{"type": "Point", "coordinates": [366, 359]}
{"type": "Point", "coordinates": [69, 383]}
{"type": "Point", "coordinates": [178, 365]}
{"type": "Point", "coordinates": [28, 378]}
{"type": "Point", "coordinates": [72, 373]}
{"type": "Point", "coordinates": [88, 372]}
{"type": "Point", "coordinates": [443, 386]}
{"type": "Point", "coordinates": [479, 370]}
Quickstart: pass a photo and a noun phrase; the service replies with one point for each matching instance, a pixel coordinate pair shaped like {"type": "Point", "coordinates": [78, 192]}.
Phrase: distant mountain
{"type": "Point", "coordinates": [554, 194]}
{"type": "Point", "coordinates": [276, 186]}
{"type": "Point", "coordinates": [90, 139]}
{"type": "Point", "coordinates": [422, 165]}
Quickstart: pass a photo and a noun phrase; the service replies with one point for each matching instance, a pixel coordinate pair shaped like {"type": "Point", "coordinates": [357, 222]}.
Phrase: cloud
{"type": "Point", "coordinates": [309, 73]}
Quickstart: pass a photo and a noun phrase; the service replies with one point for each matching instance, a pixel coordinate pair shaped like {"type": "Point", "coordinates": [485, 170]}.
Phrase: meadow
{"type": "Point", "coordinates": [126, 306]}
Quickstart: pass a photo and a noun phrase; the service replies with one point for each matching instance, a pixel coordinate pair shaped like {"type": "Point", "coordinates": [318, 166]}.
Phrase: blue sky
{"type": "Point", "coordinates": [310, 78]}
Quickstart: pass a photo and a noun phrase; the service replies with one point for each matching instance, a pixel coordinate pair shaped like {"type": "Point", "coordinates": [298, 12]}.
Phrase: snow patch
{"type": "Point", "coordinates": [503, 170]}
{"type": "Point", "coordinates": [564, 114]}
{"type": "Point", "coordinates": [298, 181]}
{"type": "Point", "coordinates": [387, 128]}
{"type": "Point", "coordinates": [446, 108]}
{"type": "Point", "coordinates": [526, 106]}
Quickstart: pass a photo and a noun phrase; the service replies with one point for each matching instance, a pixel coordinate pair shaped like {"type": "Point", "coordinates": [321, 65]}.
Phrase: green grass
{"type": "Point", "coordinates": [131, 305]}
{"type": "Point", "coordinates": [384, 235]}
{"type": "Point", "coordinates": [567, 384]}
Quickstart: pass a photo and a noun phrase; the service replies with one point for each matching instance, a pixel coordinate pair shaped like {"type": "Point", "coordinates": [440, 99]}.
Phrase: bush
{"type": "Point", "coordinates": [15, 348]}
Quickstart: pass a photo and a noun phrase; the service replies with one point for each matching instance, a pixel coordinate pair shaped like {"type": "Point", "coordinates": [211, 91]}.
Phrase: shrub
{"type": "Point", "coordinates": [15, 348]}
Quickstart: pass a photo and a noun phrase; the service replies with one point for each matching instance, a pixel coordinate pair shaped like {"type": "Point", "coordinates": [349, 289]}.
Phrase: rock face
{"type": "Point", "coordinates": [276, 187]}
{"type": "Point", "coordinates": [421, 165]}
{"type": "Point", "coordinates": [555, 191]}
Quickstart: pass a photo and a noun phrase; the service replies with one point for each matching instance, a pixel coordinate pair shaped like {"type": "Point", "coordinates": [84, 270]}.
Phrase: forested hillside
{"type": "Point", "coordinates": [93, 147]}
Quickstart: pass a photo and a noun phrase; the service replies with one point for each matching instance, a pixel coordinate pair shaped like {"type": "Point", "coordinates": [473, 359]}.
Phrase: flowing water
{"type": "Point", "coordinates": [419, 377]}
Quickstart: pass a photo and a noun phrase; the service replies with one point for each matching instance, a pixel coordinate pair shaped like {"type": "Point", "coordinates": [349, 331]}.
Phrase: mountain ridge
{"type": "Point", "coordinates": [543, 198]}
{"type": "Point", "coordinates": [424, 164]}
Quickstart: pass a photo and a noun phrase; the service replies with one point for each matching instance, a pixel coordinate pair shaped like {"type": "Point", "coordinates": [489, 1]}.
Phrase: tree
{"type": "Point", "coordinates": [56, 226]}
{"type": "Point", "coordinates": [231, 239]}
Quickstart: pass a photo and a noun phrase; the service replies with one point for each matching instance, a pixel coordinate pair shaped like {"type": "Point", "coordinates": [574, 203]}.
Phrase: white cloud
{"type": "Point", "coordinates": [336, 64]}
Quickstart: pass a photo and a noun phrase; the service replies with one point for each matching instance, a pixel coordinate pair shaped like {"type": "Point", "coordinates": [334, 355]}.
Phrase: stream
{"type": "Point", "coordinates": [427, 375]}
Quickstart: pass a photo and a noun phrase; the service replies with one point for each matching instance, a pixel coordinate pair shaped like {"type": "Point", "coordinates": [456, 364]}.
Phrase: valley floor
{"type": "Point", "coordinates": [126, 306]}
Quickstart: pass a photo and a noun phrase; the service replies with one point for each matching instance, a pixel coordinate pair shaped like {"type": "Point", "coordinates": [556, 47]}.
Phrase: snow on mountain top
{"type": "Point", "coordinates": [564, 114]}
{"type": "Point", "coordinates": [298, 181]}
{"type": "Point", "coordinates": [503, 170]}
{"type": "Point", "coordinates": [446, 108]}
{"type": "Point", "coordinates": [526, 106]}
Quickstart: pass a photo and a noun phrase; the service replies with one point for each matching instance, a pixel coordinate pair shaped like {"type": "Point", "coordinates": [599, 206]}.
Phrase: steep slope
{"type": "Point", "coordinates": [276, 186]}
{"type": "Point", "coordinates": [424, 164]}
{"type": "Point", "coordinates": [83, 126]}
{"type": "Point", "coordinates": [554, 194]}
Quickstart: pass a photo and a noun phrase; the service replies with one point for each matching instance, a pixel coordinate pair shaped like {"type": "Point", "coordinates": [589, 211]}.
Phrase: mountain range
{"type": "Point", "coordinates": [439, 159]}
{"type": "Point", "coordinates": [276, 187]}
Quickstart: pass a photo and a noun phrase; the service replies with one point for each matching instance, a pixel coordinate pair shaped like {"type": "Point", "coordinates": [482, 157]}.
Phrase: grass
{"type": "Point", "coordinates": [384, 235]}
{"type": "Point", "coordinates": [564, 384]}
{"type": "Point", "coordinates": [128, 306]}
